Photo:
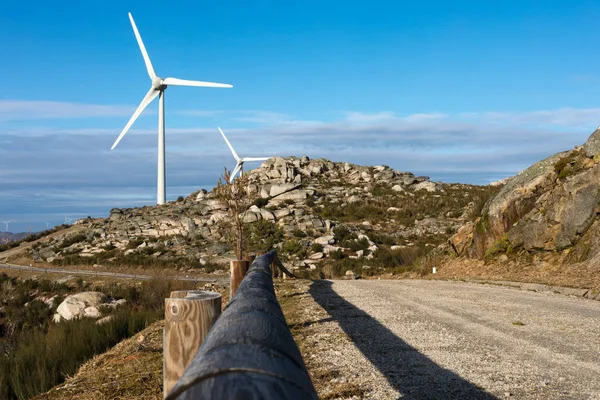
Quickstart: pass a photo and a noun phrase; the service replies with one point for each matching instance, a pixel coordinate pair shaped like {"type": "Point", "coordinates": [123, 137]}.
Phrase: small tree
{"type": "Point", "coordinates": [237, 197]}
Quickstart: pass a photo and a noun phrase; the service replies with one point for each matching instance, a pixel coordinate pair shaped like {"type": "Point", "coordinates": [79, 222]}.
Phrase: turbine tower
{"type": "Point", "coordinates": [239, 160]}
{"type": "Point", "coordinates": [157, 88]}
{"type": "Point", "coordinates": [6, 223]}
{"type": "Point", "coordinates": [47, 225]}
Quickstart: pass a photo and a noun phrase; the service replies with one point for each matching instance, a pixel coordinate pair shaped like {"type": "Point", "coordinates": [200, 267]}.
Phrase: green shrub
{"type": "Point", "coordinates": [316, 248]}
{"type": "Point", "coordinates": [134, 243]}
{"type": "Point", "coordinates": [294, 247]}
{"type": "Point", "coordinates": [260, 202]}
{"type": "Point", "coordinates": [381, 238]}
{"type": "Point", "coordinates": [342, 233]}
{"type": "Point", "coordinates": [262, 235]}
{"type": "Point", "coordinates": [356, 245]}
{"type": "Point", "coordinates": [298, 233]}
{"type": "Point", "coordinates": [337, 254]}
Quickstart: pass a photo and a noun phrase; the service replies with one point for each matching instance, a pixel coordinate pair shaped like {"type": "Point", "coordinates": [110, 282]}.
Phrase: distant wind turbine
{"type": "Point", "coordinates": [158, 88]}
{"type": "Point", "coordinates": [240, 161]}
{"type": "Point", "coordinates": [68, 221]}
{"type": "Point", "coordinates": [47, 225]}
{"type": "Point", "coordinates": [6, 223]}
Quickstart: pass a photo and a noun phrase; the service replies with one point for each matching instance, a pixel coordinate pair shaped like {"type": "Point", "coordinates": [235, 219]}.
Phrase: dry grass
{"type": "Point", "coordinates": [585, 276]}
{"type": "Point", "coordinates": [130, 370]}
{"type": "Point", "coordinates": [133, 369]}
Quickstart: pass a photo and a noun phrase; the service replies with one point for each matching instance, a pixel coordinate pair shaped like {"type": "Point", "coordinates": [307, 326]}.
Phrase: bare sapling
{"type": "Point", "coordinates": [237, 197]}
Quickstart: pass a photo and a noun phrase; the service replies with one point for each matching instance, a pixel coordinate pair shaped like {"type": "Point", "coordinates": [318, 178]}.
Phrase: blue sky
{"type": "Point", "coordinates": [462, 91]}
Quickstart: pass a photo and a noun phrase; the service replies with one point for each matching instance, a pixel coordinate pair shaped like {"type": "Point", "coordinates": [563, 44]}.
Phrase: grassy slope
{"type": "Point", "coordinates": [133, 368]}
{"type": "Point", "coordinates": [130, 370]}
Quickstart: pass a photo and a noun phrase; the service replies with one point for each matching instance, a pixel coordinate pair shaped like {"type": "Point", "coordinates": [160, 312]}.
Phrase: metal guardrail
{"type": "Point", "coordinates": [249, 352]}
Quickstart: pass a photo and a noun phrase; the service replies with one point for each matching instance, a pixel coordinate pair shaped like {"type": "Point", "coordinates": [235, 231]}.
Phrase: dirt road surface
{"type": "Point", "coordinates": [455, 340]}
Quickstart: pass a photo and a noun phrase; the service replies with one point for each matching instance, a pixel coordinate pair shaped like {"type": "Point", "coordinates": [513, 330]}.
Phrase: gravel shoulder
{"type": "Point", "coordinates": [436, 339]}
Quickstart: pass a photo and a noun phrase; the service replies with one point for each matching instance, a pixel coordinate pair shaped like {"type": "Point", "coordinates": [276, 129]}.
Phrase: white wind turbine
{"type": "Point", "coordinates": [240, 161]}
{"type": "Point", "coordinates": [158, 88]}
{"type": "Point", "coordinates": [6, 223]}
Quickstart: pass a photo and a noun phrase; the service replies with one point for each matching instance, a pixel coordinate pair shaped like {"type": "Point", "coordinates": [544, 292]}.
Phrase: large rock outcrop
{"type": "Point", "coordinates": [552, 206]}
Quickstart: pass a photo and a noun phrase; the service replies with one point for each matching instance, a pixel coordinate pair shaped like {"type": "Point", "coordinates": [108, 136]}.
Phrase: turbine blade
{"type": "Point", "coordinates": [255, 158]}
{"type": "Point", "coordinates": [237, 169]}
{"type": "Point", "coordinates": [143, 49]}
{"type": "Point", "coordinates": [230, 146]}
{"type": "Point", "coordinates": [183, 82]}
{"type": "Point", "coordinates": [152, 93]}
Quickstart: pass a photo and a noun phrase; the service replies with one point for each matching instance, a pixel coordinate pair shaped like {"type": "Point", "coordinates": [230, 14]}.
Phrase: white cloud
{"type": "Point", "coordinates": [17, 110]}
{"type": "Point", "coordinates": [476, 147]}
{"type": "Point", "coordinates": [254, 116]}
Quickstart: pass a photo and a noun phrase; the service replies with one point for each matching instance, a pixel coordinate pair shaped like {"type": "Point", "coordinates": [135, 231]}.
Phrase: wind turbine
{"type": "Point", "coordinates": [6, 223]}
{"type": "Point", "coordinates": [240, 161]}
{"type": "Point", "coordinates": [157, 88]}
{"type": "Point", "coordinates": [68, 221]}
{"type": "Point", "coordinates": [47, 225]}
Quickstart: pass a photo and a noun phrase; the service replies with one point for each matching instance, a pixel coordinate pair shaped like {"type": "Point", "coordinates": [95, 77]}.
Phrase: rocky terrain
{"type": "Point", "coordinates": [324, 217]}
{"type": "Point", "coordinates": [548, 215]}
{"type": "Point", "coordinates": [6, 237]}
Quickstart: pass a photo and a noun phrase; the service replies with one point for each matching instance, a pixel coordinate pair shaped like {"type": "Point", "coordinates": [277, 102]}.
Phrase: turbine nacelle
{"type": "Point", "coordinates": [239, 160]}
{"type": "Point", "coordinates": [158, 83]}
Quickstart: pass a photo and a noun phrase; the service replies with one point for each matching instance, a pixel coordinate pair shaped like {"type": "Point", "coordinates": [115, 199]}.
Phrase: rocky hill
{"type": "Point", "coordinates": [6, 237]}
{"type": "Point", "coordinates": [548, 215]}
{"type": "Point", "coordinates": [324, 217]}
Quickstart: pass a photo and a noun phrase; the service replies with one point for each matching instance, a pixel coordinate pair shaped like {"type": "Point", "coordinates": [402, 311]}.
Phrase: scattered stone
{"type": "Point", "coordinates": [324, 240]}
{"type": "Point", "coordinates": [426, 185]}
{"type": "Point", "coordinates": [85, 304]}
{"type": "Point", "coordinates": [351, 275]}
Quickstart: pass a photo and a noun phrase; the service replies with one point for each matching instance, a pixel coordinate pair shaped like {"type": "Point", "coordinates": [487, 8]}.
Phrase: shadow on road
{"type": "Point", "coordinates": [411, 373]}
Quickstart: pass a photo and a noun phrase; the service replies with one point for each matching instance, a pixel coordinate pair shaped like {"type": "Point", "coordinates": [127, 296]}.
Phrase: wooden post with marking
{"type": "Point", "coordinates": [189, 315]}
{"type": "Point", "coordinates": [238, 271]}
{"type": "Point", "coordinates": [250, 352]}
{"type": "Point", "coordinates": [250, 258]}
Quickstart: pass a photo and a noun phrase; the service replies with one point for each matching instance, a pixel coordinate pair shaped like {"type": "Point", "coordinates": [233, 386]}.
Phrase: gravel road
{"type": "Point", "coordinates": [454, 340]}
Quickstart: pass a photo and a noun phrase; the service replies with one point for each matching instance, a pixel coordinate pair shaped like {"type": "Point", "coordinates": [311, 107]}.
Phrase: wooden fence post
{"type": "Point", "coordinates": [250, 352]}
{"type": "Point", "coordinates": [189, 315]}
{"type": "Point", "coordinates": [250, 258]}
{"type": "Point", "coordinates": [238, 271]}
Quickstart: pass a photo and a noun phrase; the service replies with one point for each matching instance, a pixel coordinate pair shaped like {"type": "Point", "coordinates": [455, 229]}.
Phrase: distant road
{"type": "Point", "coordinates": [112, 274]}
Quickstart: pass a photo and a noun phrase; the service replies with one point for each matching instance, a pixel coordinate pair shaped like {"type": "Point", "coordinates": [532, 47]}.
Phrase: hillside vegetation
{"type": "Point", "coordinates": [324, 217]}
{"type": "Point", "coordinates": [37, 353]}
